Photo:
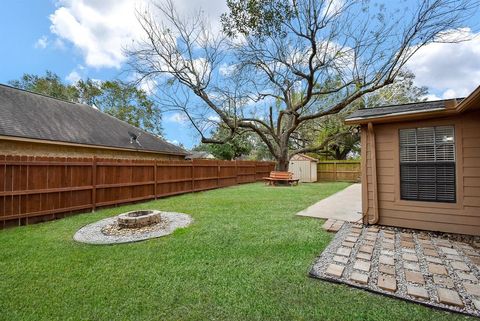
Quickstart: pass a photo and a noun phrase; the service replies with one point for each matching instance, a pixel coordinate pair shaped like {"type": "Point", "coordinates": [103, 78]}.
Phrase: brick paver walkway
{"type": "Point", "coordinates": [418, 266]}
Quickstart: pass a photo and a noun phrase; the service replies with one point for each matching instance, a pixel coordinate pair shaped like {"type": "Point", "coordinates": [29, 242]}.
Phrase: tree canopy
{"type": "Point", "coordinates": [237, 147]}
{"type": "Point", "coordinates": [343, 141]}
{"type": "Point", "coordinates": [50, 85]}
{"type": "Point", "coordinates": [240, 146]}
{"type": "Point", "coordinates": [116, 98]}
{"type": "Point", "coordinates": [279, 65]}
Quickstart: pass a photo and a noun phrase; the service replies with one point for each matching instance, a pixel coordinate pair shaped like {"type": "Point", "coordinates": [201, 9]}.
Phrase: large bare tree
{"type": "Point", "coordinates": [277, 64]}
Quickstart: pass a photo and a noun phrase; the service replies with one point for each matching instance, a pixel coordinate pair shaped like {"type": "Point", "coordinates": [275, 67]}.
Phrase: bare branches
{"type": "Point", "coordinates": [321, 146]}
{"type": "Point", "coordinates": [292, 62]}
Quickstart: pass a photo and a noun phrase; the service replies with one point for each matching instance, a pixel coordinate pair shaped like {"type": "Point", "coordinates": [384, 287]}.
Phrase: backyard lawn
{"type": "Point", "coordinates": [246, 257]}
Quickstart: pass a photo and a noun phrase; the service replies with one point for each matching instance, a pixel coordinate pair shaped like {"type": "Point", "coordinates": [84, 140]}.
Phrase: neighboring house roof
{"type": "Point", "coordinates": [199, 155]}
{"type": "Point", "coordinates": [412, 111]}
{"type": "Point", "coordinates": [25, 114]}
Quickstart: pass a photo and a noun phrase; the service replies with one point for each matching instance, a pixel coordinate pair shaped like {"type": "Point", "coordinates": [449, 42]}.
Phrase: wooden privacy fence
{"type": "Point", "coordinates": [338, 171]}
{"type": "Point", "coordinates": [39, 188]}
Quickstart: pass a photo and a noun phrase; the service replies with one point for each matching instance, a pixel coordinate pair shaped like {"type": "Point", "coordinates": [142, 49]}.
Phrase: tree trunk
{"type": "Point", "coordinates": [283, 160]}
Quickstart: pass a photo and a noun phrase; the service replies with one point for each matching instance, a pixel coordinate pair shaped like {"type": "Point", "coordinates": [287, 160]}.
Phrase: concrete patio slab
{"type": "Point", "coordinates": [345, 205]}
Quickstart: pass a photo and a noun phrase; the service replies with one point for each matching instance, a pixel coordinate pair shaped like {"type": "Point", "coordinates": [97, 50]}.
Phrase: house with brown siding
{"type": "Point", "coordinates": [421, 164]}
{"type": "Point", "coordinates": [36, 125]}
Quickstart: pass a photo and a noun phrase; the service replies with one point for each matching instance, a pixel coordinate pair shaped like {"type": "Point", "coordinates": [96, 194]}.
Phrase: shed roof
{"type": "Point", "coordinates": [26, 114]}
{"type": "Point", "coordinates": [303, 157]}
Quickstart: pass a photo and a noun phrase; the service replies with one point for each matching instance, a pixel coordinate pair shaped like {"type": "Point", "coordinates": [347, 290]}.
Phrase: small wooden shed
{"type": "Point", "coordinates": [420, 164]}
{"type": "Point", "coordinates": [303, 168]}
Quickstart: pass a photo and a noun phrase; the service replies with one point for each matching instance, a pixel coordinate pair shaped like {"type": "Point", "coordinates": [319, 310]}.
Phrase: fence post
{"type": "Point", "coordinates": [94, 183]}
{"type": "Point", "coordinates": [192, 172]}
{"type": "Point", "coordinates": [218, 173]}
{"type": "Point", "coordinates": [236, 172]}
{"type": "Point", "coordinates": [155, 178]}
{"type": "Point", "coordinates": [335, 171]}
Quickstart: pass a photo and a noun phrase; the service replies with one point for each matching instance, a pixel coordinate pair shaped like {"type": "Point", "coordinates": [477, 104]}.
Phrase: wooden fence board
{"type": "Point", "coordinates": [347, 171]}
{"type": "Point", "coordinates": [40, 188]}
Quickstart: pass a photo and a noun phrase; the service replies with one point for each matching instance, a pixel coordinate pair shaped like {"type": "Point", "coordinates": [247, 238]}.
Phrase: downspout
{"type": "Point", "coordinates": [364, 180]}
{"type": "Point", "coordinates": [371, 136]}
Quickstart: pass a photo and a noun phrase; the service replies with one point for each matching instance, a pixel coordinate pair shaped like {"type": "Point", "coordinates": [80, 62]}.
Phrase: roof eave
{"type": "Point", "coordinates": [403, 116]}
{"type": "Point", "coordinates": [57, 142]}
{"type": "Point", "coordinates": [471, 102]}
{"type": "Point", "coordinates": [451, 108]}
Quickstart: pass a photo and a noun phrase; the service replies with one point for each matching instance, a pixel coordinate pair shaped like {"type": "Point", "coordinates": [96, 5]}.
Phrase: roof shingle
{"type": "Point", "coordinates": [398, 109]}
{"type": "Point", "coordinates": [31, 115]}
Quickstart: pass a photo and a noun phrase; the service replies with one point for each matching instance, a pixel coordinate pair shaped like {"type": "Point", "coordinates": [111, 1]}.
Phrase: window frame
{"type": "Point", "coordinates": [435, 164]}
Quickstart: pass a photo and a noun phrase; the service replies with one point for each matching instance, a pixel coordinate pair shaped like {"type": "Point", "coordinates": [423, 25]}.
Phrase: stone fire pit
{"type": "Point", "coordinates": [137, 219]}
{"type": "Point", "coordinates": [132, 227]}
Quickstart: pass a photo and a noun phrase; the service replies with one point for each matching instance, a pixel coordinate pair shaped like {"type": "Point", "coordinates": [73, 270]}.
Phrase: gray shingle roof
{"type": "Point", "coordinates": [199, 155]}
{"type": "Point", "coordinates": [398, 109]}
{"type": "Point", "coordinates": [30, 115]}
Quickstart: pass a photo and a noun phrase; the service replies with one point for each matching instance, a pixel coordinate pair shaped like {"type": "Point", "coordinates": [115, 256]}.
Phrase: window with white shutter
{"type": "Point", "coordinates": [427, 164]}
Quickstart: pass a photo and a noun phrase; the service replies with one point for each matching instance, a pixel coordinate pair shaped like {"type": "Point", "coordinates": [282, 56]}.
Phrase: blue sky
{"type": "Point", "coordinates": [23, 24]}
{"type": "Point", "coordinates": [83, 38]}
{"type": "Point", "coordinates": [25, 29]}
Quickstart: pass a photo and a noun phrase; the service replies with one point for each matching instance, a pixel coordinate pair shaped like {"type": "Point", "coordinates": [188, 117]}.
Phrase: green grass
{"type": "Point", "coordinates": [246, 257]}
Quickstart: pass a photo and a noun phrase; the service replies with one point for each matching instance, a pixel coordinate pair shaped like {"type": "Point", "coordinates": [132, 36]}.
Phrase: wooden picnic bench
{"type": "Point", "coordinates": [280, 177]}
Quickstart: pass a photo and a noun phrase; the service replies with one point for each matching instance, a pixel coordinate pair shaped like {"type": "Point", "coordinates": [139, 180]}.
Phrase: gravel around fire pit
{"type": "Point", "coordinates": [107, 231]}
{"type": "Point", "coordinates": [116, 229]}
{"type": "Point", "coordinates": [434, 269]}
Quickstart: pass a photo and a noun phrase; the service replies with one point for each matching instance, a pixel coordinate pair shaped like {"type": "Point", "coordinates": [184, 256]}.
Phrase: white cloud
{"type": "Point", "coordinates": [178, 118]}
{"type": "Point", "coordinates": [201, 67]}
{"type": "Point", "coordinates": [332, 7]}
{"type": "Point", "coordinates": [431, 97]}
{"type": "Point", "coordinates": [449, 69]}
{"type": "Point", "coordinates": [226, 69]}
{"type": "Point", "coordinates": [99, 29]}
{"type": "Point", "coordinates": [147, 85]}
{"type": "Point", "coordinates": [41, 43]}
{"type": "Point", "coordinates": [73, 77]}
{"type": "Point", "coordinates": [215, 119]}
{"type": "Point", "coordinates": [102, 29]}
{"type": "Point", "coordinates": [59, 44]}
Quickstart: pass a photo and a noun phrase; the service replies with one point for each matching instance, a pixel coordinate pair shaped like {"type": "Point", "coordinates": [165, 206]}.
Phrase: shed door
{"type": "Point", "coordinates": [300, 170]}
{"type": "Point", "coordinates": [313, 172]}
